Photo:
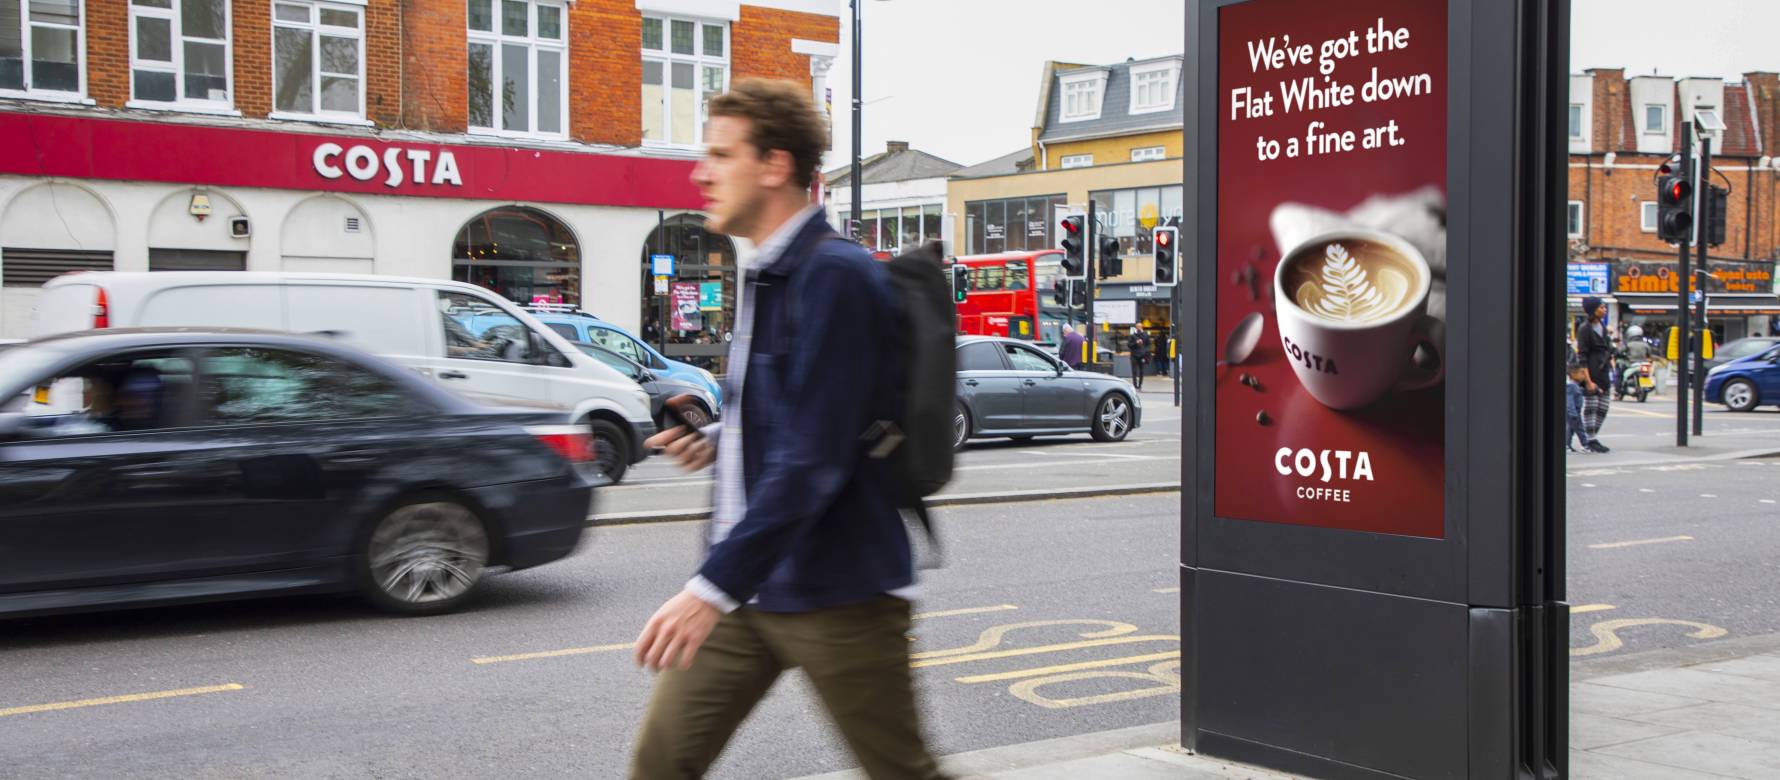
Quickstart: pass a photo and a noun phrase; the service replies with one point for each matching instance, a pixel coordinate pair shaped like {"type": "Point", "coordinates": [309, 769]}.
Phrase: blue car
{"type": "Point", "coordinates": [577, 325]}
{"type": "Point", "coordinates": [1746, 382]}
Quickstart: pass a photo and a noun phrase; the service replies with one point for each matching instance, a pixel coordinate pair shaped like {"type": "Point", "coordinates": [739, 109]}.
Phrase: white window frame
{"type": "Point", "coordinates": [495, 39]}
{"type": "Point", "coordinates": [699, 61]}
{"type": "Point", "coordinates": [1076, 161]}
{"type": "Point", "coordinates": [1575, 129]}
{"type": "Point", "coordinates": [1662, 127]}
{"type": "Point", "coordinates": [1090, 87]}
{"type": "Point", "coordinates": [79, 95]}
{"type": "Point", "coordinates": [181, 101]}
{"type": "Point", "coordinates": [315, 29]}
{"type": "Point", "coordinates": [1577, 208]}
{"type": "Point", "coordinates": [1170, 74]}
{"type": "Point", "coordinates": [1647, 216]}
{"type": "Point", "coordinates": [1148, 153]}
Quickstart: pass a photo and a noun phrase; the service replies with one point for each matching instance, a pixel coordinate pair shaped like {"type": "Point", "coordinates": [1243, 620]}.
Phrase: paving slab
{"type": "Point", "coordinates": [1588, 732]}
{"type": "Point", "coordinates": [1764, 667]}
{"type": "Point", "coordinates": [1704, 751]}
{"type": "Point", "coordinates": [1700, 684]}
{"type": "Point", "coordinates": [1595, 766]}
{"type": "Point", "coordinates": [1622, 702]}
{"type": "Point", "coordinates": [1737, 720]}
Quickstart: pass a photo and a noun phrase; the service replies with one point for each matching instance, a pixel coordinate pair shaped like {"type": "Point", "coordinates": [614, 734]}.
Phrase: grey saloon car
{"type": "Point", "coordinates": [1011, 388]}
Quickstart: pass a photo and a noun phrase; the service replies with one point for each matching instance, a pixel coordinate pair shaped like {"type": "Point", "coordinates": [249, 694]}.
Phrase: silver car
{"type": "Point", "coordinates": [1012, 388]}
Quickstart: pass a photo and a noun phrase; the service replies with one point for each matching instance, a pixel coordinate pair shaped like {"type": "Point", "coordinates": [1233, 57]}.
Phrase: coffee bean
{"type": "Point", "coordinates": [1245, 379]}
{"type": "Point", "coordinates": [1263, 419]}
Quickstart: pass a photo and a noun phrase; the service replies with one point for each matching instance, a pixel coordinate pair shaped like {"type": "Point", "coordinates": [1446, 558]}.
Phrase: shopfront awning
{"type": "Point", "coordinates": [1721, 304]}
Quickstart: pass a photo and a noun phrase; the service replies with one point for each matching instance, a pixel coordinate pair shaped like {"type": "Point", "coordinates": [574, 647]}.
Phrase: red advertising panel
{"type": "Point", "coordinates": [686, 315]}
{"type": "Point", "coordinates": [1331, 254]}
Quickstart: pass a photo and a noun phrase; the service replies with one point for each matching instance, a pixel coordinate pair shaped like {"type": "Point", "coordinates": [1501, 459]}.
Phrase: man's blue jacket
{"type": "Point", "coordinates": [821, 528]}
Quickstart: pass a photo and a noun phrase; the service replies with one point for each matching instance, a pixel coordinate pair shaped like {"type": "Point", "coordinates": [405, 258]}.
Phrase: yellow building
{"type": "Point", "coordinates": [1109, 133]}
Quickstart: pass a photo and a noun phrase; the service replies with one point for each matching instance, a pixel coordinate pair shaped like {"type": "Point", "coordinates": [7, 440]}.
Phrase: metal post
{"type": "Point", "coordinates": [661, 324]}
{"type": "Point", "coordinates": [1681, 318]}
{"type": "Point", "coordinates": [1090, 259]}
{"type": "Point", "coordinates": [858, 124]}
{"type": "Point", "coordinates": [1174, 332]}
{"type": "Point", "coordinates": [1702, 237]}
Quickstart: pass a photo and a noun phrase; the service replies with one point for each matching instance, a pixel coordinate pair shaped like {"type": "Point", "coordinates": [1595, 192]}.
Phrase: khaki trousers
{"type": "Point", "coordinates": [856, 656]}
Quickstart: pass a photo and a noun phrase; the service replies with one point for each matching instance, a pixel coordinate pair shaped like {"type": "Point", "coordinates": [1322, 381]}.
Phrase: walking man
{"type": "Point", "coordinates": [1071, 348]}
{"type": "Point", "coordinates": [809, 563]}
{"type": "Point", "coordinates": [1140, 352]}
{"type": "Point", "coordinates": [1596, 351]}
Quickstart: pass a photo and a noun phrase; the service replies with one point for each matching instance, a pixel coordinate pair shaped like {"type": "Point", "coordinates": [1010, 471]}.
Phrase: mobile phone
{"type": "Point", "coordinates": [683, 411]}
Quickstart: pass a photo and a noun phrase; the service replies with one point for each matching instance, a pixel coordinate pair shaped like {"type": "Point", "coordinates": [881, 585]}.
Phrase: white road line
{"type": "Point", "coordinates": [1645, 490]}
{"type": "Point", "coordinates": [1587, 484]}
{"type": "Point", "coordinates": [1636, 542]}
{"type": "Point", "coordinates": [1707, 495]}
{"type": "Point", "coordinates": [1768, 501]}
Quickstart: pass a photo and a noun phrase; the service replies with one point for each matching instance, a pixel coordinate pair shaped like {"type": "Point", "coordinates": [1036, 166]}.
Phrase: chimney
{"type": "Point", "coordinates": [1609, 109]}
{"type": "Point", "coordinates": [1764, 92]}
{"type": "Point", "coordinates": [892, 147]}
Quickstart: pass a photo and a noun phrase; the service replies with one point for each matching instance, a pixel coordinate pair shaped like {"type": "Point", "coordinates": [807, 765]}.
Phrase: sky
{"type": "Point", "coordinates": [960, 78]}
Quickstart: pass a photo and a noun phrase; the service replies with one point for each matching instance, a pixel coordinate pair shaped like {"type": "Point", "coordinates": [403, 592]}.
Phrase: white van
{"type": "Point", "coordinates": [462, 336]}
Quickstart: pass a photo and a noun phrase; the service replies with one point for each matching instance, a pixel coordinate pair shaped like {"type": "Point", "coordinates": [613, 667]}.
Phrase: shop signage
{"type": "Point", "coordinates": [661, 265]}
{"type": "Point", "coordinates": [1725, 276]}
{"type": "Point", "coordinates": [686, 314]}
{"type": "Point", "coordinates": [1585, 279]}
{"type": "Point", "coordinates": [395, 165]}
{"type": "Point", "coordinates": [710, 296]}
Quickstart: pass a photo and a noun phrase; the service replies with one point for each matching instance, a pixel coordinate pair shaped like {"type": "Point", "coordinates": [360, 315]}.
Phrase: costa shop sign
{"type": "Point", "coordinates": [124, 150]}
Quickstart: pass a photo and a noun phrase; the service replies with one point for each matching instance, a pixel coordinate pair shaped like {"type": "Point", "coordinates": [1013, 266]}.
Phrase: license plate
{"type": "Point", "coordinates": [1645, 381]}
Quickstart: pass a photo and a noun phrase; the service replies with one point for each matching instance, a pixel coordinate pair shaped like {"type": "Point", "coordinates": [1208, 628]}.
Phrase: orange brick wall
{"type": "Point", "coordinates": [252, 44]}
{"type": "Point", "coordinates": [435, 89]}
{"type": "Point", "coordinates": [1612, 225]}
{"type": "Point", "coordinates": [108, 53]}
{"type": "Point", "coordinates": [606, 72]}
{"type": "Point", "coordinates": [760, 43]}
{"type": "Point", "coordinates": [383, 62]}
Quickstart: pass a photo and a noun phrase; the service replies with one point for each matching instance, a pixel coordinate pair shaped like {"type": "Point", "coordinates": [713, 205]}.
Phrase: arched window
{"type": "Point", "coordinates": [705, 272]}
{"type": "Point", "coordinates": [522, 253]}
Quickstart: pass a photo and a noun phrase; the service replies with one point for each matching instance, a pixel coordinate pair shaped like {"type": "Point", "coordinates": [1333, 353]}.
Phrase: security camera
{"type": "Point", "coordinates": [239, 227]}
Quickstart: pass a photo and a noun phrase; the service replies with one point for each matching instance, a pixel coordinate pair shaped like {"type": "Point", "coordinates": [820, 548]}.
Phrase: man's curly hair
{"type": "Point", "coordinates": [780, 116]}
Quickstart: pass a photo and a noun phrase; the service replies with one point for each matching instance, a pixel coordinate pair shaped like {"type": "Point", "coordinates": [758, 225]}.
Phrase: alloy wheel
{"type": "Point", "coordinates": [1739, 395]}
{"type": "Point", "coordinates": [425, 553]}
{"type": "Point", "coordinates": [1115, 417]}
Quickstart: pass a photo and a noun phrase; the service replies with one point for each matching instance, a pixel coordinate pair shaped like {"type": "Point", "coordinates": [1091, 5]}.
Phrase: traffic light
{"type": "Point", "coordinates": [1167, 256]}
{"type": "Point", "coordinates": [1717, 201]}
{"type": "Point", "coordinates": [1078, 293]}
{"type": "Point", "coordinates": [1070, 240]}
{"type": "Point", "coordinates": [1060, 292]}
{"type": "Point", "coordinates": [1674, 208]}
{"type": "Point", "coordinates": [1111, 262]}
{"type": "Point", "coordinates": [960, 283]}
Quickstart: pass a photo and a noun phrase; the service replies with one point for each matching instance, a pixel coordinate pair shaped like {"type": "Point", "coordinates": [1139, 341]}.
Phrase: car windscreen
{"type": "Point", "coordinates": [20, 364]}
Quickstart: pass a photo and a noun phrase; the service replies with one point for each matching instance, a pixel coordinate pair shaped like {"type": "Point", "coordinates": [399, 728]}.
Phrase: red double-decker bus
{"type": "Point", "coordinates": [1011, 295]}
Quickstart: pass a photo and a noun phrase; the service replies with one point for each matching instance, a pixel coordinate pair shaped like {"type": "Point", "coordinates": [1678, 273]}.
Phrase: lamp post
{"type": "Point", "coordinates": [853, 222]}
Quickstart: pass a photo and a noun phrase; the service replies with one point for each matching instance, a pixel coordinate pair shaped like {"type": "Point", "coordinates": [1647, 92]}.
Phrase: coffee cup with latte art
{"type": "Point", "coordinates": [1352, 311]}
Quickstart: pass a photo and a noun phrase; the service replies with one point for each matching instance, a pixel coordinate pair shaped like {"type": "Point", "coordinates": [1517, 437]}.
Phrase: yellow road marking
{"type": "Point", "coordinates": [1636, 542]}
{"type": "Point", "coordinates": [1607, 633]}
{"type": "Point", "coordinates": [966, 611]}
{"type": "Point", "coordinates": [69, 705]}
{"type": "Point", "coordinates": [552, 653]}
{"type": "Point", "coordinates": [1580, 608]}
{"type": "Point", "coordinates": [1621, 408]}
{"type": "Point", "coordinates": [959, 659]}
{"type": "Point", "coordinates": [1061, 668]}
{"type": "Point", "coordinates": [1167, 590]}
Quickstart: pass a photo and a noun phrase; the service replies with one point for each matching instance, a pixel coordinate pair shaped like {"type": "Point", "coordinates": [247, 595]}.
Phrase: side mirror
{"type": "Point", "coordinates": [645, 376]}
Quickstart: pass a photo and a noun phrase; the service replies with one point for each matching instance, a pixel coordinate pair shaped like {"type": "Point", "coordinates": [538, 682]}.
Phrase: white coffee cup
{"type": "Point", "coordinates": [1350, 364]}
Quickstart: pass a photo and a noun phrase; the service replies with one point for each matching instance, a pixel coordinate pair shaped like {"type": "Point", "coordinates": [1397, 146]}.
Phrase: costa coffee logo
{"type": "Point", "coordinates": [1345, 465]}
{"type": "Point", "coordinates": [396, 164]}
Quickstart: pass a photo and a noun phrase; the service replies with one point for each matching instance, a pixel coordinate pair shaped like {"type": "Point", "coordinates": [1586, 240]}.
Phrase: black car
{"type": "Point", "coordinates": [659, 386]}
{"type": "Point", "coordinates": [154, 466]}
{"type": "Point", "coordinates": [1013, 388]}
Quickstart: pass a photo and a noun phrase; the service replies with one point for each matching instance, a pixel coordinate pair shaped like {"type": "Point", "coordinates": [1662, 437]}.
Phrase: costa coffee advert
{"type": "Point", "coordinates": [1331, 254]}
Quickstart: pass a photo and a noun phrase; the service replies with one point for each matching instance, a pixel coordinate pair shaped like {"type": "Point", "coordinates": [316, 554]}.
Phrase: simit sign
{"type": "Point", "coordinates": [362, 163]}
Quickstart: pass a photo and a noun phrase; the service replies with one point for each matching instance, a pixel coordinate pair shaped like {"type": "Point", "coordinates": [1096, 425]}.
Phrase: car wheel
{"type": "Point", "coordinates": [697, 415]}
{"type": "Point", "coordinates": [1112, 418]}
{"type": "Point", "coordinates": [611, 450]}
{"type": "Point", "coordinates": [424, 557]}
{"type": "Point", "coordinates": [1740, 395]}
{"type": "Point", "coordinates": [960, 427]}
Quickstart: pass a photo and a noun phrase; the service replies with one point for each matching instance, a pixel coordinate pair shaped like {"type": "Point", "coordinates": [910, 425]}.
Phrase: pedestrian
{"type": "Point", "coordinates": [1573, 401]}
{"type": "Point", "coordinates": [1140, 352]}
{"type": "Point", "coordinates": [1071, 349]}
{"type": "Point", "coordinates": [1596, 351]}
{"type": "Point", "coordinates": [1161, 342]}
{"type": "Point", "coordinates": [809, 564]}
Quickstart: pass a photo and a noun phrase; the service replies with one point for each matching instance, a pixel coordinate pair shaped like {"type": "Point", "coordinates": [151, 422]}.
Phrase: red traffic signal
{"type": "Point", "coordinates": [1072, 225]}
{"type": "Point", "coordinates": [1163, 239]}
{"type": "Point", "coordinates": [1678, 190]}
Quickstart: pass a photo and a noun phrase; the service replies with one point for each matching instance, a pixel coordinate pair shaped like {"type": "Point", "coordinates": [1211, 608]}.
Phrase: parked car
{"type": "Point", "coordinates": [660, 387]}
{"type": "Point", "coordinates": [1011, 388]}
{"type": "Point", "coordinates": [1747, 382]}
{"type": "Point", "coordinates": [1737, 349]}
{"type": "Point", "coordinates": [577, 325]}
{"type": "Point", "coordinates": [149, 466]}
{"type": "Point", "coordinates": [423, 324]}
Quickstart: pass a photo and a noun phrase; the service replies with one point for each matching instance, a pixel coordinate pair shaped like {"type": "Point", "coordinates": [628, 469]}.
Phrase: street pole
{"type": "Point", "coordinates": [858, 125]}
{"type": "Point", "coordinates": [661, 324]}
{"type": "Point", "coordinates": [1091, 259]}
{"type": "Point", "coordinates": [1701, 238]}
{"type": "Point", "coordinates": [1173, 335]}
{"type": "Point", "coordinates": [1682, 320]}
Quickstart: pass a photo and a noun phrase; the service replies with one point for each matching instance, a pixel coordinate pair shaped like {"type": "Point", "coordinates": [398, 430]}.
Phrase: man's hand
{"type": "Point", "coordinates": [672, 637]}
{"type": "Point", "coordinates": [685, 445]}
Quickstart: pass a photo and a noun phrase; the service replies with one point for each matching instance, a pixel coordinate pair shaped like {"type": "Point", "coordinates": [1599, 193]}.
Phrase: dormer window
{"type": "Point", "coordinates": [1083, 93]}
{"type": "Point", "coordinates": [1656, 119]}
{"type": "Point", "coordinates": [1153, 86]}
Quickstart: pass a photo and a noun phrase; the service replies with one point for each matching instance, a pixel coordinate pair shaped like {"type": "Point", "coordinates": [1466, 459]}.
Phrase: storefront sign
{"type": "Point", "coordinates": [686, 314]}
{"type": "Point", "coordinates": [1116, 312]}
{"type": "Point", "coordinates": [1585, 279]}
{"type": "Point", "coordinates": [1331, 174]}
{"type": "Point", "coordinates": [1726, 276]}
{"type": "Point", "coordinates": [661, 265]}
{"type": "Point", "coordinates": [38, 144]}
{"type": "Point", "coordinates": [710, 296]}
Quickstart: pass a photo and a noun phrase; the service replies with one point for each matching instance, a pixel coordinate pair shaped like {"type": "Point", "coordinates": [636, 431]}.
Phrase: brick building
{"type": "Point", "coordinates": [1621, 129]}
{"type": "Point", "coordinates": [532, 146]}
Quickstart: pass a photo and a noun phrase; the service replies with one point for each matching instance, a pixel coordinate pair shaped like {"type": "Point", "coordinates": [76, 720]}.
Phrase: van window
{"type": "Point", "coordinates": [476, 329]}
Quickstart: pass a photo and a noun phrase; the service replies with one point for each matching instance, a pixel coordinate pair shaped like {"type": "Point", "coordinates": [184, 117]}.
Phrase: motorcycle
{"type": "Point", "coordinates": [1636, 379]}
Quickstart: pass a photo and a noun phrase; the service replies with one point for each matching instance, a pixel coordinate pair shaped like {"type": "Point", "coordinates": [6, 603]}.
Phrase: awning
{"type": "Point", "coordinates": [1723, 304]}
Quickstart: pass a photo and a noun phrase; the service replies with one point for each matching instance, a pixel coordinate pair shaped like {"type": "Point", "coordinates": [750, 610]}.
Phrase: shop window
{"type": "Point", "coordinates": [318, 60]}
{"type": "Point", "coordinates": [180, 54]}
{"type": "Point", "coordinates": [685, 64]}
{"type": "Point", "coordinates": [692, 321]}
{"type": "Point", "coordinates": [518, 78]}
{"type": "Point", "coordinates": [40, 46]}
{"type": "Point", "coordinates": [524, 254]}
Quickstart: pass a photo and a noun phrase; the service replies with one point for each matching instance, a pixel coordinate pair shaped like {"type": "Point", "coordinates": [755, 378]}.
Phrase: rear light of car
{"type": "Point", "coordinates": [574, 443]}
{"type": "Point", "coordinates": [101, 310]}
